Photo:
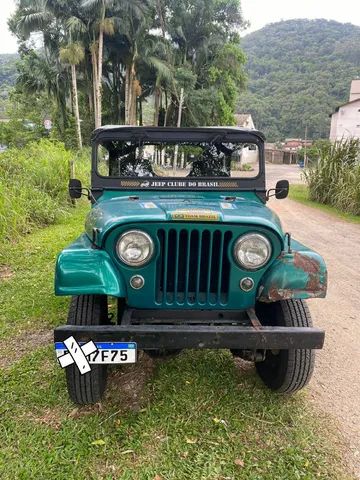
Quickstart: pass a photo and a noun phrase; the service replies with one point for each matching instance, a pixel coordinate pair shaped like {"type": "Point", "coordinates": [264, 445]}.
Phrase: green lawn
{"type": "Point", "coordinates": [197, 416]}
{"type": "Point", "coordinates": [27, 298]}
{"type": "Point", "coordinates": [300, 194]}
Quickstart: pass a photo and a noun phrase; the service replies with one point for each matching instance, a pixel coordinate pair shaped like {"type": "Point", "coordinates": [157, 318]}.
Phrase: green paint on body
{"type": "Point", "coordinates": [91, 266]}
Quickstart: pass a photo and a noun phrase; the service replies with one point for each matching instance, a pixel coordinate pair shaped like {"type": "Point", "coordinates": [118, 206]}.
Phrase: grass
{"type": "Point", "coordinates": [34, 186]}
{"type": "Point", "coordinates": [27, 298]}
{"type": "Point", "coordinates": [334, 177]}
{"type": "Point", "coordinates": [198, 416]}
{"type": "Point", "coordinates": [299, 193]}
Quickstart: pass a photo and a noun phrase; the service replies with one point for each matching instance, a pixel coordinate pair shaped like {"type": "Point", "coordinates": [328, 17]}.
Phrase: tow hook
{"type": "Point", "coordinates": [251, 355]}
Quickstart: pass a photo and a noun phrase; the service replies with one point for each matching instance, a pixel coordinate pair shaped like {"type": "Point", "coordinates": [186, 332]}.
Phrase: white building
{"type": "Point", "coordinates": [345, 121]}
{"type": "Point", "coordinates": [244, 120]}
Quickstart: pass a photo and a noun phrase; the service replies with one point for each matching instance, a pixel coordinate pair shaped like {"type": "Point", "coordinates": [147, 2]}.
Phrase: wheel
{"type": "Point", "coordinates": [286, 371]}
{"type": "Point", "coordinates": [88, 388]}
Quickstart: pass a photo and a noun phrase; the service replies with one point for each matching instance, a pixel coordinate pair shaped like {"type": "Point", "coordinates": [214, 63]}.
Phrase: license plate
{"type": "Point", "coordinates": [106, 353]}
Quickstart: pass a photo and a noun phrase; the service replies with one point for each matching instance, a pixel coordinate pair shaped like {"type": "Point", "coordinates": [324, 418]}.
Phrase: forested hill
{"type": "Point", "coordinates": [8, 71]}
{"type": "Point", "coordinates": [8, 74]}
{"type": "Point", "coordinates": [299, 71]}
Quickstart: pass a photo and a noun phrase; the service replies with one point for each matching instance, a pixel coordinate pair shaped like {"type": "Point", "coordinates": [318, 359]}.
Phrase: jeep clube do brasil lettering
{"type": "Point", "coordinates": [180, 234]}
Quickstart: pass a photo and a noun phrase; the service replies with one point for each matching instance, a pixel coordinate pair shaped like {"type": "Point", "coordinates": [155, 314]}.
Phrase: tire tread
{"type": "Point", "coordinates": [89, 388]}
{"type": "Point", "coordinates": [298, 363]}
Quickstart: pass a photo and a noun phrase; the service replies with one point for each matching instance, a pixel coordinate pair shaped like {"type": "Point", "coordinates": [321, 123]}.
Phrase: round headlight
{"type": "Point", "coordinates": [135, 248]}
{"type": "Point", "coordinates": [252, 251]}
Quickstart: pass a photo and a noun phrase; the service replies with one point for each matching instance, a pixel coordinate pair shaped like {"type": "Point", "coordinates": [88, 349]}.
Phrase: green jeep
{"type": "Point", "coordinates": [180, 234]}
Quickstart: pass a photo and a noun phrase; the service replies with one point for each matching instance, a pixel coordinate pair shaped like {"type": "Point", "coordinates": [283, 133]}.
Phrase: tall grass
{"type": "Point", "coordinates": [33, 185]}
{"type": "Point", "coordinates": [335, 178]}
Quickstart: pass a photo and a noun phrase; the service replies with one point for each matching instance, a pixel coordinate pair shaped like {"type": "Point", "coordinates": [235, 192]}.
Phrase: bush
{"type": "Point", "coordinates": [34, 185]}
{"type": "Point", "coordinates": [335, 178]}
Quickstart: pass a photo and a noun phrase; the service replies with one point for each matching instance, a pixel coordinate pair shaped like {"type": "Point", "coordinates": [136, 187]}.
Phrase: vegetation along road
{"type": "Point", "coordinates": [336, 383]}
{"type": "Point", "coordinates": [199, 415]}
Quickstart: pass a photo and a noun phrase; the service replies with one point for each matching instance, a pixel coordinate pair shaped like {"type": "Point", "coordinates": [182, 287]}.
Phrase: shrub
{"type": "Point", "coordinates": [335, 178]}
{"type": "Point", "coordinates": [34, 185]}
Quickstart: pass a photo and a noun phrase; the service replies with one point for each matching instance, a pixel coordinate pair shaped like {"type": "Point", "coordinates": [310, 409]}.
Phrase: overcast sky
{"type": "Point", "coordinates": [261, 12]}
{"type": "Point", "coordinates": [258, 12]}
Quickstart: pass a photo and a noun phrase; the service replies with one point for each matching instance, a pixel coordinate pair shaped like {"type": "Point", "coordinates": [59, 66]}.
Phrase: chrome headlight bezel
{"type": "Point", "coordinates": [240, 242]}
{"type": "Point", "coordinates": [143, 261]}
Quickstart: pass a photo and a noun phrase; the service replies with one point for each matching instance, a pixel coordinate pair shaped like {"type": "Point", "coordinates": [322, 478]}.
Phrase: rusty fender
{"type": "Point", "coordinates": [300, 274]}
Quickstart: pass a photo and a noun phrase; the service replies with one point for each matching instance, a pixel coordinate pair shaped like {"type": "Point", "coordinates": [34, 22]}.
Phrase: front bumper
{"type": "Point", "coordinates": [150, 333]}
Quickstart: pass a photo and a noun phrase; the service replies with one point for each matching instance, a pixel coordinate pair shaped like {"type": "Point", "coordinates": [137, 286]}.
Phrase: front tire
{"type": "Point", "coordinates": [286, 371]}
{"type": "Point", "coordinates": [90, 387]}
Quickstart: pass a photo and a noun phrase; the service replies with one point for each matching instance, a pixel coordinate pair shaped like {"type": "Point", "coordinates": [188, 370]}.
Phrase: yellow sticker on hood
{"type": "Point", "coordinates": [196, 215]}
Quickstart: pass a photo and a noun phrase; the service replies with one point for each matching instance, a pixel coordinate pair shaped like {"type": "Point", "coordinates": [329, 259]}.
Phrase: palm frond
{"type": "Point", "coordinates": [108, 25]}
{"type": "Point", "coordinates": [34, 19]}
{"type": "Point", "coordinates": [72, 54]}
{"type": "Point", "coordinates": [76, 25]}
{"type": "Point", "coordinates": [163, 70]}
{"type": "Point", "coordinates": [91, 3]}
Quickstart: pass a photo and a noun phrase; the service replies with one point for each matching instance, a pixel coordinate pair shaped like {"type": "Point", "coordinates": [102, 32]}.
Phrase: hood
{"type": "Point", "coordinates": [110, 213]}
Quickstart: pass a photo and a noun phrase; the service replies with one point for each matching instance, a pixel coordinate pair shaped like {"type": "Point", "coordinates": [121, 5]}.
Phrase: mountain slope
{"type": "Point", "coordinates": [8, 74]}
{"type": "Point", "coordinates": [8, 70]}
{"type": "Point", "coordinates": [299, 71]}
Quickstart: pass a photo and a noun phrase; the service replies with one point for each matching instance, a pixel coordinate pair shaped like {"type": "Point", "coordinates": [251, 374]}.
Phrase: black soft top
{"type": "Point", "coordinates": [116, 131]}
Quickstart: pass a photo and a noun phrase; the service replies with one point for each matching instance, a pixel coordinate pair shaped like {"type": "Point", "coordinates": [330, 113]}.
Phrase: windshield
{"type": "Point", "coordinates": [149, 159]}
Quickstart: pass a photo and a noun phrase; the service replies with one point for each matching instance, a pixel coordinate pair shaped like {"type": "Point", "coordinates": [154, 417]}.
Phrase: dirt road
{"type": "Point", "coordinates": [336, 383]}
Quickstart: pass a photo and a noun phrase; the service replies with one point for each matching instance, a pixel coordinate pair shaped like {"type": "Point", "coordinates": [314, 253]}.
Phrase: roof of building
{"type": "Point", "coordinates": [345, 104]}
{"type": "Point", "coordinates": [242, 118]}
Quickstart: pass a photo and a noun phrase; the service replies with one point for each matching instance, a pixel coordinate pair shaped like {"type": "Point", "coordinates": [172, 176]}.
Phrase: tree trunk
{"type": "Point", "coordinates": [140, 112]}
{"type": "Point", "coordinates": [130, 95]}
{"type": "Point", "coordinates": [70, 102]}
{"type": "Point", "coordinates": [76, 105]}
{"type": "Point", "coordinates": [117, 92]}
{"type": "Point", "coordinates": [157, 95]}
{"type": "Point", "coordinates": [166, 109]}
{"type": "Point", "coordinates": [95, 82]}
{"type": "Point", "coordinates": [127, 92]}
{"type": "Point", "coordinates": [133, 87]}
{"type": "Point", "coordinates": [181, 101]}
{"type": "Point", "coordinates": [161, 18]}
{"type": "Point", "coordinates": [91, 102]}
{"type": "Point", "coordinates": [99, 79]}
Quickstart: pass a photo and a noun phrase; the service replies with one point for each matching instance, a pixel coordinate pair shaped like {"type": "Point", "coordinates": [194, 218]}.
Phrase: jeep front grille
{"type": "Point", "coordinates": [193, 267]}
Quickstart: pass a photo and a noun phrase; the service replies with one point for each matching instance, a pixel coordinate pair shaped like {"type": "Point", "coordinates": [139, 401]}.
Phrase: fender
{"type": "Point", "coordinates": [299, 274]}
{"type": "Point", "coordinates": [83, 269]}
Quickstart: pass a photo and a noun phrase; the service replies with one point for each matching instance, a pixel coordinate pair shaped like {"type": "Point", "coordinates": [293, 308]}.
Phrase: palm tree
{"type": "Point", "coordinates": [154, 55]}
{"type": "Point", "coordinates": [72, 55]}
{"type": "Point", "coordinates": [83, 27]}
{"type": "Point", "coordinates": [134, 28]}
{"type": "Point", "coordinates": [192, 61]}
{"type": "Point", "coordinates": [106, 27]}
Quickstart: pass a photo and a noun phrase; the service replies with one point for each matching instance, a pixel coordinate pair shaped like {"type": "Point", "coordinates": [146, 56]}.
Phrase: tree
{"type": "Point", "coordinates": [299, 72]}
{"type": "Point", "coordinates": [73, 54]}
{"type": "Point", "coordinates": [135, 28]}
{"type": "Point", "coordinates": [161, 61]}
{"type": "Point", "coordinates": [38, 75]}
{"type": "Point", "coordinates": [105, 26]}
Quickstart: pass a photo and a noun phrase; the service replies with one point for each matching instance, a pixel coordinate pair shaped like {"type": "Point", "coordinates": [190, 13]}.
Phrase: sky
{"type": "Point", "coordinates": [261, 12]}
{"type": "Point", "coordinates": [8, 43]}
{"type": "Point", "coordinates": [258, 12]}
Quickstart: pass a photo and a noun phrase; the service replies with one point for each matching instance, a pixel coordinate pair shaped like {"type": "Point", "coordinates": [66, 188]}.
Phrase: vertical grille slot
{"type": "Point", "coordinates": [193, 267]}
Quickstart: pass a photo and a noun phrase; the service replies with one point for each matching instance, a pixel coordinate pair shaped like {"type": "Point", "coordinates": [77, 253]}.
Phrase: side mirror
{"type": "Point", "coordinates": [75, 188]}
{"type": "Point", "coordinates": [282, 189]}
